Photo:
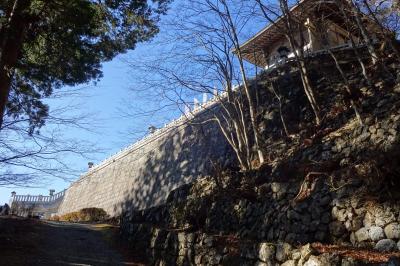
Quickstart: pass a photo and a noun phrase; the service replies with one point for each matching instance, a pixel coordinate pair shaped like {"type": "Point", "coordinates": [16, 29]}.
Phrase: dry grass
{"type": "Point", "coordinates": [370, 256]}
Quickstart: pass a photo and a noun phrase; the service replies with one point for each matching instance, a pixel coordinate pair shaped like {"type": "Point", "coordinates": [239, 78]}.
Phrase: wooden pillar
{"type": "Point", "coordinates": [310, 35]}
{"type": "Point", "coordinates": [265, 55]}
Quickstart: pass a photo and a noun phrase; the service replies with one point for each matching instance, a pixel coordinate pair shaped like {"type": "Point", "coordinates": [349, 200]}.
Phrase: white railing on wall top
{"type": "Point", "coordinates": [189, 114]}
{"type": "Point", "coordinates": [38, 198]}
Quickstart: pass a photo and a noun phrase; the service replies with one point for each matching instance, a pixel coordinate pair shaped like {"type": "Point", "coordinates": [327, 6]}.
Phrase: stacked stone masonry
{"type": "Point", "coordinates": [353, 202]}
{"type": "Point", "coordinates": [351, 198]}
{"type": "Point", "coordinates": [165, 247]}
{"type": "Point", "coordinates": [143, 175]}
{"type": "Point", "coordinates": [271, 232]}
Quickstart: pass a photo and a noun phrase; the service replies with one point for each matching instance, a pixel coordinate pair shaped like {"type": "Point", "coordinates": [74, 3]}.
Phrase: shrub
{"type": "Point", "coordinates": [93, 214]}
{"type": "Point", "coordinates": [54, 218]}
{"type": "Point", "coordinates": [85, 215]}
{"type": "Point", "coordinates": [70, 217]}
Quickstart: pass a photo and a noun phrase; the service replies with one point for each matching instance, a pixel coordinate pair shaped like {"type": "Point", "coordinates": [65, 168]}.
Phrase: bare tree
{"type": "Point", "coordinates": [35, 158]}
{"type": "Point", "coordinates": [200, 61]}
{"type": "Point", "coordinates": [279, 98]}
{"type": "Point", "coordinates": [292, 27]}
{"type": "Point", "coordinates": [368, 27]}
{"type": "Point", "coordinates": [386, 16]}
{"type": "Point", "coordinates": [226, 17]}
{"type": "Point", "coordinates": [349, 27]}
{"type": "Point", "coordinates": [323, 31]}
{"type": "Point", "coordinates": [356, 12]}
{"type": "Point", "coordinates": [371, 30]}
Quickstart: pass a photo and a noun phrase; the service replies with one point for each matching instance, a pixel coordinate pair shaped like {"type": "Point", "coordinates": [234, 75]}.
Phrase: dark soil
{"type": "Point", "coordinates": [34, 242]}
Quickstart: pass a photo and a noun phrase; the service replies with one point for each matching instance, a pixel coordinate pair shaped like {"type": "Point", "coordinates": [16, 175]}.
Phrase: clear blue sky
{"type": "Point", "coordinates": [107, 102]}
{"type": "Point", "coordinates": [102, 100]}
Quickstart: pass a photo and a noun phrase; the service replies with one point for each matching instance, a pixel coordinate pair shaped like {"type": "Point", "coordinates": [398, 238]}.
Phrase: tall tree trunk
{"type": "Point", "coordinates": [390, 39]}
{"type": "Point", "coordinates": [357, 15]}
{"type": "Point", "coordinates": [300, 59]}
{"type": "Point", "coordinates": [353, 44]}
{"type": "Point", "coordinates": [370, 46]}
{"type": "Point", "coordinates": [280, 109]}
{"type": "Point", "coordinates": [347, 86]}
{"type": "Point", "coordinates": [11, 44]}
{"type": "Point", "coordinates": [253, 113]}
{"type": "Point", "coordinates": [252, 109]}
{"type": "Point", "coordinates": [323, 33]}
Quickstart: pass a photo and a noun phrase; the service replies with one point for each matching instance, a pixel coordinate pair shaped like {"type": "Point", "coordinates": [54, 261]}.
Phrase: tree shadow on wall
{"type": "Point", "coordinates": [178, 157]}
{"type": "Point", "coordinates": [181, 155]}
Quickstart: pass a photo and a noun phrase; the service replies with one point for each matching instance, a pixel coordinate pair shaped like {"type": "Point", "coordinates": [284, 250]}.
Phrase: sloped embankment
{"type": "Point", "coordinates": [328, 195]}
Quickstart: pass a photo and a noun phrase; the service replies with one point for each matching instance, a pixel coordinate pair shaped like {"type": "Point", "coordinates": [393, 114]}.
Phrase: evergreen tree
{"type": "Point", "coordinates": [47, 44]}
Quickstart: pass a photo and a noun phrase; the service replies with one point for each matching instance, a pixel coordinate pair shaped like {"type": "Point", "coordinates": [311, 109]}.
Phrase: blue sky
{"type": "Point", "coordinates": [101, 100]}
{"type": "Point", "coordinates": [107, 102]}
{"type": "Point", "coordinates": [112, 130]}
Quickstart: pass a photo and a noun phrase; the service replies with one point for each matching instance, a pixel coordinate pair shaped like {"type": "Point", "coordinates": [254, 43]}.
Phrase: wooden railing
{"type": "Point", "coordinates": [37, 199]}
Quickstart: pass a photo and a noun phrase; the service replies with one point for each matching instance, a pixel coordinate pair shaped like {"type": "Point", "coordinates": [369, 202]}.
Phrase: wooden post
{"type": "Point", "coordinates": [310, 37]}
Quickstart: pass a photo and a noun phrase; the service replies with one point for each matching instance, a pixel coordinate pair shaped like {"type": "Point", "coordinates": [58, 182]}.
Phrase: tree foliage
{"type": "Point", "coordinates": [63, 43]}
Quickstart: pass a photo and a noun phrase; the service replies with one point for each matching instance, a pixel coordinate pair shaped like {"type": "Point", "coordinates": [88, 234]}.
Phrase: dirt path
{"type": "Point", "coordinates": [30, 242]}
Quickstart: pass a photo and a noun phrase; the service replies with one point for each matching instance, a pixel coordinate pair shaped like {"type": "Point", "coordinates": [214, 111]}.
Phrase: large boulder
{"type": "Point", "coordinates": [322, 260]}
{"type": "Point", "coordinates": [362, 234]}
{"type": "Point", "coordinates": [386, 245]}
{"type": "Point", "coordinates": [392, 231]}
{"type": "Point", "coordinates": [313, 261]}
{"type": "Point", "coordinates": [376, 233]}
{"type": "Point", "coordinates": [283, 252]}
{"type": "Point", "coordinates": [289, 263]}
{"type": "Point", "coordinates": [266, 252]}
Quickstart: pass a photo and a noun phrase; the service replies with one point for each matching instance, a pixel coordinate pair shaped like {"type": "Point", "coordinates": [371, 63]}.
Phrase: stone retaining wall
{"type": "Point", "coordinates": [348, 163]}
{"type": "Point", "coordinates": [341, 217]}
{"type": "Point", "coordinates": [351, 200]}
{"type": "Point", "coordinates": [166, 247]}
{"type": "Point", "coordinates": [143, 175]}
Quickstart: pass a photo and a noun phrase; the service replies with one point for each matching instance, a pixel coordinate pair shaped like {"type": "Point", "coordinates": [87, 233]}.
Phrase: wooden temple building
{"type": "Point", "coordinates": [318, 25]}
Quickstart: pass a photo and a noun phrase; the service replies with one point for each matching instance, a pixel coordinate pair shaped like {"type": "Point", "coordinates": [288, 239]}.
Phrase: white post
{"type": "Point", "coordinates": [187, 109]}
{"type": "Point", "coordinates": [195, 104]}
{"type": "Point", "coordinates": [215, 92]}
{"type": "Point", "coordinates": [13, 197]}
{"type": "Point", "coordinates": [204, 98]}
